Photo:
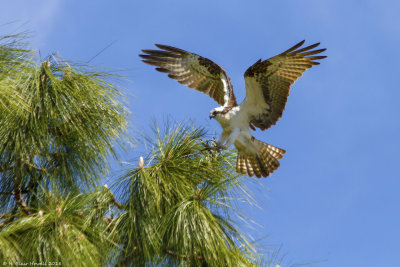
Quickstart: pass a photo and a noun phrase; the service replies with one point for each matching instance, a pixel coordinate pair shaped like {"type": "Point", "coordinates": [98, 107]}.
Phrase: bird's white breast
{"type": "Point", "coordinates": [234, 118]}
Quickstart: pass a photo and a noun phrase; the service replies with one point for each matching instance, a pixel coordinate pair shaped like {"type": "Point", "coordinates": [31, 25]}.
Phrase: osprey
{"type": "Point", "coordinates": [267, 88]}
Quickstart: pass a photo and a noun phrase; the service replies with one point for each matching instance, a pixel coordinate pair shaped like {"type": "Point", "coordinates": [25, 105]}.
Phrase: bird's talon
{"type": "Point", "coordinates": [214, 142]}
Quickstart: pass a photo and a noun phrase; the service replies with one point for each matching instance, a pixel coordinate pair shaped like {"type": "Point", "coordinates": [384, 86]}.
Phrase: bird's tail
{"type": "Point", "coordinates": [263, 163]}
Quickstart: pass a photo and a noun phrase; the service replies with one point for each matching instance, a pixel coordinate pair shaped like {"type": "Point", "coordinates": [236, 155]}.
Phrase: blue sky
{"type": "Point", "coordinates": [335, 198]}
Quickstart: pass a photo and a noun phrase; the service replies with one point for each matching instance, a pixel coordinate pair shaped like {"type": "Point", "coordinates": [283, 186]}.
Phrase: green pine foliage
{"type": "Point", "coordinates": [59, 123]}
{"type": "Point", "coordinates": [68, 229]}
{"type": "Point", "coordinates": [59, 127]}
{"type": "Point", "coordinates": [178, 205]}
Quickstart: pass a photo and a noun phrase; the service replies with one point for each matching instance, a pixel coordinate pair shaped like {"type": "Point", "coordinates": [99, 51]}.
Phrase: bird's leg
{"type": "Point", "coordinates": [214, 145]}
{"type": "Point", "coordinates": [214, 142]}
{"type": "Point", "coordinates": [230, 140]}
{"type": "Point", "coordinates": [221, 140]}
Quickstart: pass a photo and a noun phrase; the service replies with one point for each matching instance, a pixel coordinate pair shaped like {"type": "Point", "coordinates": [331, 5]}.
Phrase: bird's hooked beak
{"type": "Point", "coordinates": [212, 116]}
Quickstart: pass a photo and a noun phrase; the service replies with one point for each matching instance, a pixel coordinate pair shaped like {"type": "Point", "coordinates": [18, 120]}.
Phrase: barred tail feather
{"type": "Point", "coordinates": [261, 164]}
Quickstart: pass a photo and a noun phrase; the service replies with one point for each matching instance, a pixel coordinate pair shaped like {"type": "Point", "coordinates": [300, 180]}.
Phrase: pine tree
{"type": "Point", "coordinates": [178, 205]}
{"type": "Point", "coordinates": [59, 123]}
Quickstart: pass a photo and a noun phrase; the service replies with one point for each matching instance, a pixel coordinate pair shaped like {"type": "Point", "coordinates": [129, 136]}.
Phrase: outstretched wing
{"type": "Point", "coordinates": [194, 71]}
{"type": "Point", "coordinates": [268, 83]}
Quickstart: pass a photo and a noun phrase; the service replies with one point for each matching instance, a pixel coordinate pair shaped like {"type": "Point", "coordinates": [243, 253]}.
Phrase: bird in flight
{"type": "Point", "coordinates": [267, 88]}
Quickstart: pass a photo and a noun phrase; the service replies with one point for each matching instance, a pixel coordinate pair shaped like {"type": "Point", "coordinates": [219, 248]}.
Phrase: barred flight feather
{"type": "Point", "coordinates": [192, 70]}
{"type": "Point", "coordinates": [263, 163]}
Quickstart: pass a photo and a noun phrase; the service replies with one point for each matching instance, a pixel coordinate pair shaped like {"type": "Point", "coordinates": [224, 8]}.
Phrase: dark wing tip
{"type": "Point", "coordinates": [160, 45]}
{"type": "Point", "coordinates": [149, 51]}
{"type": "Point", "coordinates": [150, 62]}
{"type": "Point", "coordinates": [165, 47]}
{"type": "Point", "coordinates": [317, 57]}
{"type": "Point", "coordinates": [306, 51]}
{"type": "Point", "coordinates": [319, 50]}
{"type": "Point", "coordinates": [293, 47]}
{"type": "Point", "coordinates": [162, 70]}
{"type": "Point", "coordinates": [171, 49]}
{"type": "Point", "coordinates": [316, 44]}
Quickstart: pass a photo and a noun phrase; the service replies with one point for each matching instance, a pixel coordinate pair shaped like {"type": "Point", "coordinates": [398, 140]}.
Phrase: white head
{"type": "Point", "coordinates": [216, 112]}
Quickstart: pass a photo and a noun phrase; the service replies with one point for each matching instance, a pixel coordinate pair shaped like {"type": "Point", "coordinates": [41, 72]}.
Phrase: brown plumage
{"type": "Point", "coordinates": [275, 76]}
{"type": "Point", "coordinates": [267, 89]}
{"type": "Point", "coordinates": [261, 164]}
{"type": "Point", "coordinates": [192, 70]}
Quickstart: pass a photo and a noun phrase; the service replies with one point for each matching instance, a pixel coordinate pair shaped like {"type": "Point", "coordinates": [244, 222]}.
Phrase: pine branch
{"type": "Point", "coordinates": [5, 215]}
{"type": "Point", "coordinates": [6, 167]}
{"type": "Point", "coordinates": [118, 205]}
{"type": "Point", "coordinates": [43, 77]}
{"type": "Point", "coordinates": [20, 200]}
{"type": "Point", "coordinates": [113, 200]}
{"type": "Point", "coordinates": [198, 192]}
{"type": "Point", "coordinates": [56, 157]}
{"type": "Point", "coordinates": [26, 190]}
{"type": "Point", "coordinates": [34, 166]}
{"type": "Point", "coordinates": [29, 187]}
